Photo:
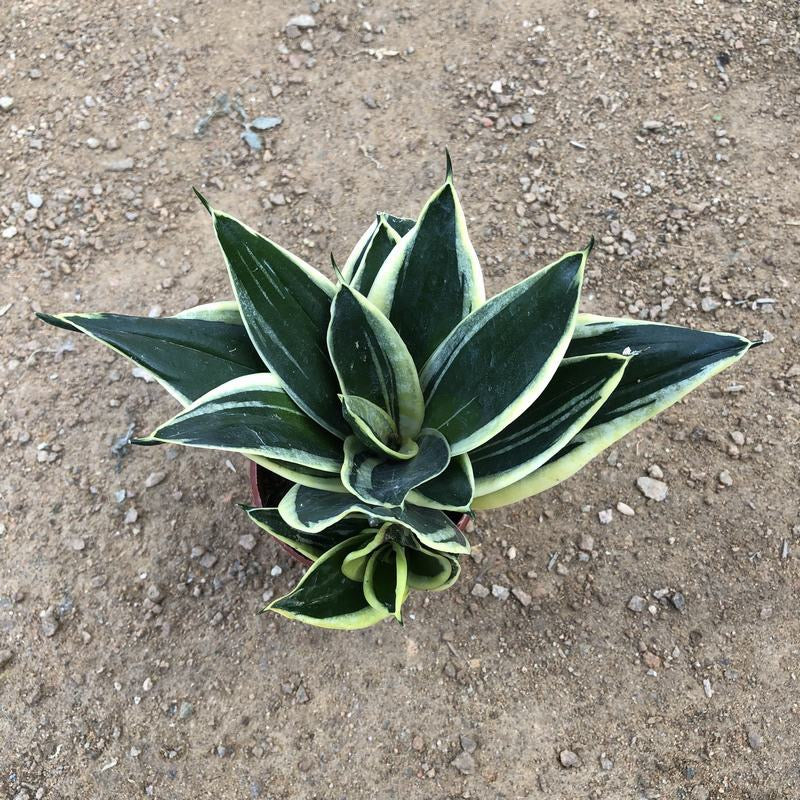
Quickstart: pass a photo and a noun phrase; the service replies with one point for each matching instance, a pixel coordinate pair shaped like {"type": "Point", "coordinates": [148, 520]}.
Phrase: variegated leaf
{"type": "Point", "coordinates": [452, 490]}
{"type": "Point", "coordinates": [432, 279]}
{"type": "Point", "coordinates": [372, 362]}
{"type": "Point", "coordinates": [383, 481]}
{"type": "Point", "coordinates": [297, 473]}
{"type": "Point", "coordinates": [428, 570]}
{"type": "Point", "coordinates": [669, 362]}
{"type": "Point", "coordinates": [326, 597]}
{"type": "Point", "coordinates": [285, 306]}
{"type": "Point", "coordinates": [399, 225]}
{"type": "Point", "coordinates": [383, 241]}
{"type": "Point", "coordinates": [386, 579]}
{"type": "Point", "coordinates": [189, 354]}
{"type": "Point", "coordinates": [500, 358]}
{"type": "Point", "coordinates": [255, 416]}
{"type": "Point", "coordinates": [355, 562]}
{"type": "Point", "coordinates": [374, 428]}
{"type": "Point", "coordinates": [311, 545]}
{"type": "Point", "coordinates": [314, 510]}
{"type": "Point", "coordinates": [578, 389]}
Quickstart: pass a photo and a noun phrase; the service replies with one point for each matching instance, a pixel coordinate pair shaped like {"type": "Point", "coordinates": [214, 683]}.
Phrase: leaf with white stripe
{"type": "Point", "coordinates": [428, 570]}
{"type": "Point", "coordinates": [384, 238]}
{"type": "Point", "coordinates": [374, 428]}
{"type": "Point", "coordinates": [326, 597]}
{"type": "Point", "coordinates": [452, 490]}
{"type": "Point", "coordinates": [285, 306]}
{"type": "Point", "coordinates": [311, 545]}
{"type": "Point", "coordinates": [574, 395]}
{"type": "Point", "coordinates": [383, 481]}
{"type": "Point", "coordinates": [253, 415]}
{"type": "Point", "coordinates": [372, 362]}
{"type": "Point", "coordinates": [313, 510]}
{"type": "Point", "coordinates": [297, 473]}
{"type": "Point", "coordinates": [500, 358]}
{"type": "Point", "coordinates": [432, 279]}
{"type": "Point", "coordinates": [189, 354]}
{"type": "Point", "coordinates": [669, 362]}
{"type": "Point", "coordinates": [386, 579]}
{"type": "Point", "coordinates": [399, 225]}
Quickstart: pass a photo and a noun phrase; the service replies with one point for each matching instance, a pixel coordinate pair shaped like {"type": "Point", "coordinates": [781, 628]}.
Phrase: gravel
{"type": "Point", "coordinates": [637, 604]}
{"type": "Point", "coordinates": [652, 488]}
{"type": "Point", "coordinates": [568, 759]}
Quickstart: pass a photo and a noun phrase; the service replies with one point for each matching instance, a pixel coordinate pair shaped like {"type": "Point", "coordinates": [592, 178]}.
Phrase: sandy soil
{"type": "Point", "coordinates": [132, 660]}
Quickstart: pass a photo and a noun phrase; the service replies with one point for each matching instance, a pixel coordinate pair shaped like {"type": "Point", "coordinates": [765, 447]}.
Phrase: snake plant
{"type": "Point", "coordinates": [399, 397]}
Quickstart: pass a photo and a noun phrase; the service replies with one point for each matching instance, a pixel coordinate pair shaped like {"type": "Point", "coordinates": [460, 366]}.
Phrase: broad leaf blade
{"type": "Point", "coordinates": [311, 545]}
{"type": "Point", "coordinates": [669, 362]}
{"type": "Point", "coordinates": [314, 510]}
{"type": "Point", "coordinates": [355, 563]}
{"type": "Point", "coordinates": [297, 473]}
{"type": "Point", "coordinates": [386, 580]}
{"type": "Point", "coordinates": [427, 570]}
{"type": "Point", "coordinates": [255, 416]}
{"type": "Point", "coordinates": [187, 355]}
{"type": "Point", "coordinates": [576, 392]}
{"type": "Point", "coordinates": [432, 279]}
{"type": "Point", "coordinates": [372, 362]}
{"type": "Point", "coordinates": [383, 481]}
{"type": "Point", "coordinates": [285, 306]}
{"type": "Point", "coordinates": [500, 358]}
{"type": "Point", "coordinates": [383, 241]}
{"type": "Point", "coordinates": [453, 490]}
{"type": "Point", "coordinates": [326, 597]}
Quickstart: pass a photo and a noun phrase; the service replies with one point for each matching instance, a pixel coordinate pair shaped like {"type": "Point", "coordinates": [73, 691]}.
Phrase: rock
{"type": "Point", "coordinates": [276, 570]}
{"type": "Point", "coordinates": [35, 200]}
{"type": "Point", "coordinates": [479, 590]}
{"type": "Point", "coordinates": [707, 688]}
{"type": "Point", "coordinates": [652, 125]}
{"type": "Point", "coordinates": [301, 695]}
{"type": "Point", "coordinates": [625, 509]}
{"type": "Point", "coordinates": [568, 759]}
{"type": "Point", "coordinates": [605, 516]}
{"type": "Point", "coordinates": [10, 232]}
{"type": "Point", "coordinates": [651, 660]}
{"type": "Point", "coordinates": [522, 596]}
{"type": "Point", "coordinates": [131, 515]}
{"type": "Point", "coordinates": [120, 165]}
{"type": "Point", "coordinates": [737, 437]}
{"type": "Point", "coordinates": [593, 13]}
{"type": "Point", "coordinates": [247, 541]}
{"type": "Point", "coordinates": [464, 763]}
{"type": "Point", "coordinates": [369, 101]}
{"type": "Point", "coordinates": [628, 236]}
{"type": "Point", "coordinates": [500, 592]}
{"type": "Point", "coordinates": [709, 304]}
{"type": "Point", "coordinates": [265, 123]}
{"type": "Point", "coordinates": [185, 710]}
{"type": "Point", "coordinates": [679, 601]}
{"type": "Point", "coordinates": [725, 478]}
{"type": "Point", "coordinates": [48, 623]}
{"type": "Point", "coordinates": [652, 488]}
{"type": "Point", "coordinates": [637, 604]}
{"type": "Point", "coordinates": [92, 143]}
{"type": "Point", "coordinates": [154, 593]}
{"type": "Point", "coordinates": [586, 543]}
{"type": "Point", "coordinates": [6, 103]}
{"type": "Point", "coordinates": [302, 21]}
{"type": "Point", "coordinates": [655, 472]}
{"type": "Point", "coordinates": [754, 738]}
{"type": "Point", "coordinates": [496, 87]}
{"type": "Point", "coordinates": [468, 744]}
{"type": "Point", "coordinates": [207, 560]}
{"type": "Point", "coordinates": [153, 479]}
{"type": "Point", "coordinates": [605, 762]}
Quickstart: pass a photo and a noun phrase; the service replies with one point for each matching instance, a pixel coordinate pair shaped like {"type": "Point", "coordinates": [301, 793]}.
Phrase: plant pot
{"type": "Point", "coordinates": [268, 490]}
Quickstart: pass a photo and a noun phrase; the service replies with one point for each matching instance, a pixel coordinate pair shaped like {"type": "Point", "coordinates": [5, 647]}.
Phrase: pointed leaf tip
{"type": "Point", "coordinates": [448, 176]}
{"type": "Point", "coordinates": [589, 247]}
{"type": "Point", "coordinates": [202, 199]}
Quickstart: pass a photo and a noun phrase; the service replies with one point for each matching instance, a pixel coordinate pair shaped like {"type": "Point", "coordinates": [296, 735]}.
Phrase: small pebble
{"type": "Point", "coordinates": [247, 541]}
{"type": "Point", "coordinates": [679, 601]}
{"type": "Point", "coordinates": [276, 570]}
{"type": "Point", "coordinates": [35, 200]}
{"type": "Point", "coordinates": [725, 478]}
{"type": "Point", "coordinates": [586, 543]}
{"type": "Point", "coordinates": [479, 590]}
{"type": "Point", "coordinates": [625, 509]}
{"type": "Point", "coordinates": [754, 738]}
{"type": "Point", "coordinates": [605, 516]}
{"type": "Point", "coordinates": [302, 21]}
{"type": "Point", "coordinates": [655, 472]}
{"type": "Point", "coordinates": [500, 592]}
{"type": "Point", "coordinates": [464, 763]}
{"type": "Point", "coordinates": [637, 603]}
{"type": "Point", "coordinates": [185, 710]}
{"type": "Point", "coordinates": [652, 488]}
{"type": "Point", "coordinates": [522, 596]}
{"type": "Point", "coordinates": [568, 758]}
{"type": "Point", "coordinates": [6, 103]}
{"type": "Point", "coordinates": [153, 479]}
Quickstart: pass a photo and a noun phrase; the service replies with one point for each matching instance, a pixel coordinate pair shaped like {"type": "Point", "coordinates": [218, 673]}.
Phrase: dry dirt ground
{"type": "Point", "coordinates": [132, 660]}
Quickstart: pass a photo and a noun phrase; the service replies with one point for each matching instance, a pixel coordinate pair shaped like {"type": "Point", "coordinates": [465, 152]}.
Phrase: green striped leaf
{"type": "Point", "coordinates": [313, 510]}
{"type": "Point", "coordinates": [578, 389]}
{"type": "Point", "coordinates": [669, 362]}
{"type": "Point", "coordinates": [355, 563]}
{"type": "Point", "coordinates": [285, 306]}
{"type": "Point", "coordinates": [372, 362]}
{"type": "Point", "coordinates": [326, 597]}
{"type": "Point", "coordinates": [453, 490]}
{"type": "Point", "coordinates": [297, 473]}
{"type": "Point", "coordinates": [255, 416]}
{"type": "Point", "coordinates": [374, 428]}
{"type": "Point", "coordinates": [432, 279]}
{"type": "Point", "coordinates": [311, 545]}
{"type": "Point", "coordinates": [400, 225]}
{"type": "Point", "coordinates": [381, 481]}
{"type": "Point", "coordinates": [386, 580]}
{"type": "Point", "coordinates": [428, 570]}
{"type": "Point", "coordinates": [189, 355]}
{"type": "Point", "coordinates": [500, 358]}
{"type": "Point", "coordinates": [384, 238]}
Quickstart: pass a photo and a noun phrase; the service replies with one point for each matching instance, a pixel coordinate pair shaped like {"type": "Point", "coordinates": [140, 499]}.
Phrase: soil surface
{"type": "Point", "coordinates": [653, 655]}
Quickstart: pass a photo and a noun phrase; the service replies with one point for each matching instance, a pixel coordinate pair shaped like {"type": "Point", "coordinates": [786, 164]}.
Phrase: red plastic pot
{"type": "Point", "coordinates": [268, 490]}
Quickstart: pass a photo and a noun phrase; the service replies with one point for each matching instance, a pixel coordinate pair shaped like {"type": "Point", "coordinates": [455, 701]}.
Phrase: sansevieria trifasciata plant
{"type": "Point", "coordinates": [399, 397]}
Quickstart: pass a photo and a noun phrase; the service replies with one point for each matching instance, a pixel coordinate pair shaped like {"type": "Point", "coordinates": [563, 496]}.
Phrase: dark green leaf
{"type": "Point", "coordinates": [451, 491]}
{"type": "Point", "coordinates": [386, 580]}
{"type": "Point", "coordinates": [500, 358]}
